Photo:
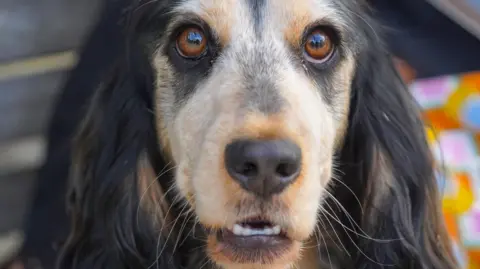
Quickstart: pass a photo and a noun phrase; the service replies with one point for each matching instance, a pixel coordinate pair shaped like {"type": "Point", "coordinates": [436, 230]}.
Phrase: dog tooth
{"type": "Point", "coordinates": [237, 229]}
{"type": "Point", "coordinates": [242, 230]}
{"type": "Point", "coordinates": [247, 232]}
{"type": "Point", "coordinates": [259, 231]}
{"type": "Point", "coordinates": [268, 231]}
{"type": "Point", "coordinates": [255, 232]}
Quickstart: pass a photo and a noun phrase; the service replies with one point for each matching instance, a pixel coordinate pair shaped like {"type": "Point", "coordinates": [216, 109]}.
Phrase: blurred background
{"type": "Point", "coordinates": [52, 52]}
{"type": "Point", "coordinates": [39, 44]}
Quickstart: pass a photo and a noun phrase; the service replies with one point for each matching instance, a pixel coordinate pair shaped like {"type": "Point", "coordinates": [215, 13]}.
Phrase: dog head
{"type": "Point", "coordinates": [256, 107]}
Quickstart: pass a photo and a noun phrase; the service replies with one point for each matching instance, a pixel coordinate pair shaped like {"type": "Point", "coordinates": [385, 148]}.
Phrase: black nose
{"type": "Point", "coordinates": [264, 167]}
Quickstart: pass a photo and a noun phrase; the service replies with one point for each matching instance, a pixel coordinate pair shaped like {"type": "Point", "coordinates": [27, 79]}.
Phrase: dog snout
{"type": "Point", "coordinates": [263, 167]}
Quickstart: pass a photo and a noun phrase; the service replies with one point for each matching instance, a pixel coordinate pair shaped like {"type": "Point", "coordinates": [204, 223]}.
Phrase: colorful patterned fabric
{"type": "Point", "coordinates": [451, 107]}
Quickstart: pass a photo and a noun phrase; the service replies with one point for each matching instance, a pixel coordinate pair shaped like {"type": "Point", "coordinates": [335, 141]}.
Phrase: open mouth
{"type": "Point", "coordinates": [253, 240]}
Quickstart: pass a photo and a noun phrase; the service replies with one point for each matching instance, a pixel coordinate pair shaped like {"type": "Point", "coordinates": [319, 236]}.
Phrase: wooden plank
{"type": "Point", "coordinates": [10, 244]}
{"type": "Point", "coordinates": [15, 197]}
{"type": "Point", "coordinates": [38, 65]}
{"type": "Point", "coordinates": [33, 27]}
{"type": "Point", "coordinates": [464, 13]}
{"type": "Point", "coordinates": [26, 104]}
{"type": "Point", "coordinates": [22, 155]}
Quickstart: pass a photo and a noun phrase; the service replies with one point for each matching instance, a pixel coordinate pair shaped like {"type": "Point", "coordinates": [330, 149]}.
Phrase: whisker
{"type": "Point", "coordinates": [329, 235]}
{"type": "Point", "coordinates": [171, 230]}
{"type": "Point", "coordinates": [161, 173]}
{"type": "Point", "coordinates": [334, 230]}
{"type": "Point", "coordinates": [355, 244]}
{"type": "Point", "coordinates": [160, 236]}
{"type": "Point", "coordinates": [334, 177]}
{"type": "Point", "coordinates": [319, 236]}
{"type": "Point", "coordinates": [206, 262]}
{"type": "Point", "coordinates": [364, 235]}
{"type": "Point", "coordinates": [182, 227]}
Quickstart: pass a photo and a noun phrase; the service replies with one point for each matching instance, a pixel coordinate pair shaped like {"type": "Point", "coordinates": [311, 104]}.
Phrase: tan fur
{"type": "Point", "coordinates": [218, 14]}
{"type": "Point", "coordinates": [381, 169]}
{"type": "Point", "coordinates": [197, 133]}
{"type": "Point", "coordinates": [152, 199]}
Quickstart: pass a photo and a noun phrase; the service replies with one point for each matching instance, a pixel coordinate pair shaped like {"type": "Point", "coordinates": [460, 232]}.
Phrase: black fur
{"type": "Point", "coordinates": [109, 232]}
{"type": "Point", "coordinates": [107, 229]}
{"type": "Point", "coordinates": [384, 120]}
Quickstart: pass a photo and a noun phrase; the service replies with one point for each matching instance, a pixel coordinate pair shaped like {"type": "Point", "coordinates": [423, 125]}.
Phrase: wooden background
{"type": "Point", "coordinates": [38, 44]}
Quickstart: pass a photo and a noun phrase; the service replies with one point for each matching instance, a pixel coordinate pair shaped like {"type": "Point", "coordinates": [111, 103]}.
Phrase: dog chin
{"type": "Point", "coordinates": [230, 250]}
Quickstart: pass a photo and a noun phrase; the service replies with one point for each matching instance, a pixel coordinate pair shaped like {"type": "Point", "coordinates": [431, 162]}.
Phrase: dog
{"type": "Point", "coordinates": [245, 134]}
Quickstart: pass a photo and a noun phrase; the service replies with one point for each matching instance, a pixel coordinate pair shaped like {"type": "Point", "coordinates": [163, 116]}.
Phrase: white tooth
{"type": "Point", "coordinates": [259, 232]}
{"type": "Point", "coordinates": [255, 232]}
{"type": "Point", "coordinates": [237, 229]}
{"type": "Point", "coordinates": [267, 231]}
{"type": "Point", "coordinates": [247, 232]}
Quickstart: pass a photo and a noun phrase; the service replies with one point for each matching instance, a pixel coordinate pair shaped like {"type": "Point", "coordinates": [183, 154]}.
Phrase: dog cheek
{"type": "Point", "coordinates": [308, 204]}
{"type": "Point", "coordinates": [184, 141]}
{"type": "Point", "coordinates": [212, 194]}
{"type": "Point", "coordinates": [305, 199]}
{"type": "Point", "coordinates": [183, 182]}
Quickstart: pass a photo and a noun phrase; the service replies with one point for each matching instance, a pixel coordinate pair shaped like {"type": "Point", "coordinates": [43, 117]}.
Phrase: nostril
{"type": "Point", "coordinates": [247, 169]}
{"type": "Point", "coordinates": [286, 169]}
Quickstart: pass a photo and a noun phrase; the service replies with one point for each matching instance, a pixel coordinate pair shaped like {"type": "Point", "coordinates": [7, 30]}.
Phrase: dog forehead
{"type": "Point", "coordinates": [234, 18]}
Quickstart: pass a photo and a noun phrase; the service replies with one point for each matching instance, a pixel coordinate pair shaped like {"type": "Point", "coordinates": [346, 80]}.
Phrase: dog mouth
{"type": "Point", "coordinates": [254, 228]}
{"type": "Point", "coordinates": [253, 240]}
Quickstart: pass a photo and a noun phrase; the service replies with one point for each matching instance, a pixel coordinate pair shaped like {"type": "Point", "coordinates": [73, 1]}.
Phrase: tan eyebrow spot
{"type": "Point", "coordinates": [220, 15]}
{"type": "Point", "coordinates": [299, 17]}
{"type": "Point", "coordinates": [220, 21]}
{"type": "Point", "coordinates": [294, 30]}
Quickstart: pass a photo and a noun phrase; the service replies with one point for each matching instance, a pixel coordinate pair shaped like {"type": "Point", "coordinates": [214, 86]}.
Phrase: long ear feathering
{"type": "Point", "coordinates": [107, 231]}
{"type": "Point", "coordinates": [118, 211]}
{"type": "Point", "coordinates": [387, 163]}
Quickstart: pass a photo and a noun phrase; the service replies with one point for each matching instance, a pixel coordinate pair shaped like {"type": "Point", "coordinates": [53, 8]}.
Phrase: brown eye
{"type": "Point", "coordinates": [191, 43]}
{"type": "Point", "coordinates": [319, 46]}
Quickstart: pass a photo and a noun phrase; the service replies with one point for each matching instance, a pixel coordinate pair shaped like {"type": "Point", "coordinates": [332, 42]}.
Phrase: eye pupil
{"type": "Point", "coordinates": [317, 41]}
{"type": "Point", "coordinates": [191, 43]}
{"type": "Point", "coordinates": [194, 38]}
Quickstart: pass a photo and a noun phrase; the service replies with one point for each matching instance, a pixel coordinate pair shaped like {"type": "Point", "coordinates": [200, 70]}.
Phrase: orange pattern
{"type": "Point", "coordinates": [451, 106]}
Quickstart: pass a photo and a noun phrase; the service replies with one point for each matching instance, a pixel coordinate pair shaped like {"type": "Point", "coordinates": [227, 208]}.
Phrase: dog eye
{"type": "Point", "coordinates": [191, 43]}
{"type": "Point", "coordinates": [318, 46]}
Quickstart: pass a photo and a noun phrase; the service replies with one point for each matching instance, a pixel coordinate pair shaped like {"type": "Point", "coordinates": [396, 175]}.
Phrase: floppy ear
{"type": "Point", "coordinates": [116, 203]}
{"type": "Point", "coordinates": [388, 165]}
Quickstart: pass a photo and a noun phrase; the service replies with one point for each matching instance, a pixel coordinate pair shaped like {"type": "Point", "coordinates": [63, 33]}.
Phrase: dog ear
{"type": "Point", "coordinates": [388, 165]}
{"type": "Point", "coordinates": [116, 203]}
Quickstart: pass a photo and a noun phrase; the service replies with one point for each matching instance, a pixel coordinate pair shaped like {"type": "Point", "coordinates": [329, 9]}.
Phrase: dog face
{"type": "Point", "coordinates": [251, 104]}
{"type": "Point", "coordinates": [251, 101]}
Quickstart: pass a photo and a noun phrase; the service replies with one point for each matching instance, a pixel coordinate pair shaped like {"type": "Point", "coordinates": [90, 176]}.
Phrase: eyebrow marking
{"type": "Point", "coordinates": [215, 13]}
{"type": "Point", "coordinates": [295, 29]}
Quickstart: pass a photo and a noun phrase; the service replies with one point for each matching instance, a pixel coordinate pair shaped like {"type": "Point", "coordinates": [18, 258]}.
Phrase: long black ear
{"type": "Point", "coordinates": [119, 200]}
{"type": "Point", "coordinates": [388, 165]}
{"type": "Point", "coordinates": [112, 225]}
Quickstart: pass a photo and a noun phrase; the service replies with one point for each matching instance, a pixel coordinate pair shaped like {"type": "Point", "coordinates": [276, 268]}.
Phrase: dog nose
{"type": "Point", "coordinates": [263, 167]}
